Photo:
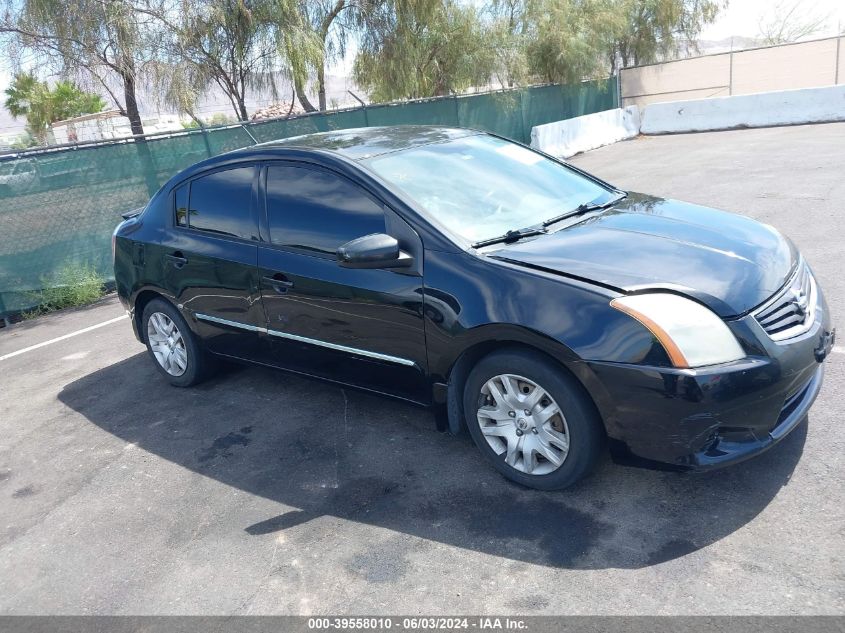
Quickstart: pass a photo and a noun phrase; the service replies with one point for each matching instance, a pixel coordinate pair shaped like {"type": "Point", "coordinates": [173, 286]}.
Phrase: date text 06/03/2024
{"type": "Point", "coordinates": [417, 623]}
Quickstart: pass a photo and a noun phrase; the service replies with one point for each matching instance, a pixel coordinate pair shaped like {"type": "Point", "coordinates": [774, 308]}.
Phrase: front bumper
{"type": "Point", "coordinates": [700, 419]}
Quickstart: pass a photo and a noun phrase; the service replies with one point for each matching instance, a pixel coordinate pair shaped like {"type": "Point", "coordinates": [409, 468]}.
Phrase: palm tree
{"type": "Point", "coordinates": [28, 97]}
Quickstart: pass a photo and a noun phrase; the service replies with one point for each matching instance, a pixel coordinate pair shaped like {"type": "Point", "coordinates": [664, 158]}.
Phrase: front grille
{"type": "Point", "coordinates": [792, 311]}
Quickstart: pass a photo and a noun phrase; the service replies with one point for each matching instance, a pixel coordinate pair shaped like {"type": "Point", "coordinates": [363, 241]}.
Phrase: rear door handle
{"type": "Point", "coordinates": [176, 259]}
{"type": "Point", "coordinates": [279, 282]}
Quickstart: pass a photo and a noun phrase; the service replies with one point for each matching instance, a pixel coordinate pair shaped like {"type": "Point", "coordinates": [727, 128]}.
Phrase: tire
{"type": "Point", "coordinates": [552, 447]}
{"type": "Point", "coordinates": [188, 364]}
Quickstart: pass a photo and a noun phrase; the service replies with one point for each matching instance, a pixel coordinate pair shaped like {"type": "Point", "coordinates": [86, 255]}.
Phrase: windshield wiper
{"type": "Point", "coordinates": [584, 208]}
{"type": "Point", "coordinates": [510, 237]}
{"type": "Point", "coordinates": [514, 236]}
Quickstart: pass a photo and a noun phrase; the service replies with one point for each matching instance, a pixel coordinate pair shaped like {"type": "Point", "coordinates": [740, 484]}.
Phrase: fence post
{"type": "Point", "coordinates": [521, 94]}
{"type": "Point", "coordinates": [363, 106]}
{"type": "Point", "coordinates": [3, 316]}
{"type": "Point", "coordinates": [147, 165]}
{"type": "Point", "coordinates": [205, 140]}
{"type": "Point", "coordinates": [618, 65]}
{"type": "Point", "coordinates": [731, 70]}
{"type": "Point", "coordinates": [619, 88]}
{"type": "Point", "coordinates": [836, 73]}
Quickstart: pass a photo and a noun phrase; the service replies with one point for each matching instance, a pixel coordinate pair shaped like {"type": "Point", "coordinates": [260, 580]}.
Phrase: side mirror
{"type": "Point", "coordinates": [373, 251]}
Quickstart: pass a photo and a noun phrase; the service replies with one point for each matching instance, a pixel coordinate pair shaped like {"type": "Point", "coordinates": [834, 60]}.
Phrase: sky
{"type": "Point", "coordinates": [741, 18]}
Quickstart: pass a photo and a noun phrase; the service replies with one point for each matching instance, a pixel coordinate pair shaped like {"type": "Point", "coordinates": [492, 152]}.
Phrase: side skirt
{"type": "Point", "coordinates": [243, 361]}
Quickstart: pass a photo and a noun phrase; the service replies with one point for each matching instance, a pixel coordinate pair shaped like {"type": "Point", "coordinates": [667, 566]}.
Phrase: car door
{"type": "Point", "coordinates": [358, 326]}
{"type": "Point", "coordinates": [209, 258]}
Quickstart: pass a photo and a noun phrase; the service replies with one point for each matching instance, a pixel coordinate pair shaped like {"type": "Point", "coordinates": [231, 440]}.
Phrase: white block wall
{"type": "Point", "coordinates": [786, 107]}
{"type": "Point", "coordinates": [569, 137]}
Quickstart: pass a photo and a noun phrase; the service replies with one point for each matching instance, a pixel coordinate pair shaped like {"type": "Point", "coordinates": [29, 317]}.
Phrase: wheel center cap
{"type": "Point", "coordinates": [521, 424]}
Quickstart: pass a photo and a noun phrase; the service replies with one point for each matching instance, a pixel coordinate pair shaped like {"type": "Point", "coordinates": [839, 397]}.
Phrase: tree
{"type": "Point", "coordinates": [652, 29]}
{"type": "Point", "coordinates": [41, 106]}
{"type": "Point", "coordinates": [25, 98]}
{"type": "Point", "coordinates": [561, 41]}
{"type": "Point", "coordinates": [508, 36]}
{"type": "Point", "coordinates": [330, 21]}
{"type": "Point", "coordinates": [566, 38]}
{"type": "Point", "coordinates": [570, 40]}
{"type": "Point", "coordinates": [179, 85]}
{"type": "Point", "coordinates": [68, 100]}
{"type": "Point", "coordinates": [24, 141]}
{"type": "Point", "coordinates": [421, 48]}
{"type": "Point", "coordinates": [218, 118]}
{"type": "Point", "coordinates": [297, 44]}
{"type": "Point", "coordinates": [108, 40]}
{"type": "Point", "coordinates": [790, 22]}
{"type": "Point", "coordinates": [225, 42]}
{"type": "Point", "coordinates": [239, 45]}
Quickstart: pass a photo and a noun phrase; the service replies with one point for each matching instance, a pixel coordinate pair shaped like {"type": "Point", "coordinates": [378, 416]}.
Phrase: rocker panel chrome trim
{"type": "Point", "coordinates": [310, 341]}
{"type": "Point", "coordinates": [243, 326]}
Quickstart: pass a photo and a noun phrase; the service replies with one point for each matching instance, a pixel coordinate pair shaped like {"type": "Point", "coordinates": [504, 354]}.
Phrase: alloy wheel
{"type": "Point", "coordinates": [167, 344]}
{"type": "Point", "coordinates": [522, 423]}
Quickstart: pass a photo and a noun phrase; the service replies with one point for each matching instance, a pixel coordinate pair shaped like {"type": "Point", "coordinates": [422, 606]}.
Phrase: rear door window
{"type": "Point", "coordinates": [221, 203]}
{"type": "Point", "coordinates": [318, 210]}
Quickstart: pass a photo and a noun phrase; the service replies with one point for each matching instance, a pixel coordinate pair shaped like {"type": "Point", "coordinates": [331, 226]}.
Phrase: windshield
{"type": "Point", "coordinates": [480, 187]}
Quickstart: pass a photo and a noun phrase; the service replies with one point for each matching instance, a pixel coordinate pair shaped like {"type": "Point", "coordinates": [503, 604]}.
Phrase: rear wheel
{"type": "Point", "coordinates": [175, 350]}
{"type": "Point", "coordinates": [532, 420]}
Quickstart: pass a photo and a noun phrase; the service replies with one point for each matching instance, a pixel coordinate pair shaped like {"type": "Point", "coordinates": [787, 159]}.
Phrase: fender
{"type": "Point", "coordinates": [498, 336]}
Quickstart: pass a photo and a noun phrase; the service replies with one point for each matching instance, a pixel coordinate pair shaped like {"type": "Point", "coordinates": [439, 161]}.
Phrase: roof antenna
{"type": "Point", "coordinates": [254, 140]}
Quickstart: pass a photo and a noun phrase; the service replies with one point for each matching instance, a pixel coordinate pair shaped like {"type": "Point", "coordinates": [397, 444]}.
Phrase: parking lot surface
{"type": "Point", "coordinates": [262, 493]}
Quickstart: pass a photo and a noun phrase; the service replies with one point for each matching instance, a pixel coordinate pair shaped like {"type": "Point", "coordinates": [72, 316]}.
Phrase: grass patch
{"type": "Point", "coordinates": [70, 286]}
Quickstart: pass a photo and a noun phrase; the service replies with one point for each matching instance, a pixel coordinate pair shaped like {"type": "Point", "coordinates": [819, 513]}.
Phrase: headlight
{"type": "Point", "coordinates": [692, 335]}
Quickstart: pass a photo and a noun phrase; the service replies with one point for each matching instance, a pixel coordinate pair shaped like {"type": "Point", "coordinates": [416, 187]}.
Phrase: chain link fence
{"type": "Point", "coordinates": [59, 206]}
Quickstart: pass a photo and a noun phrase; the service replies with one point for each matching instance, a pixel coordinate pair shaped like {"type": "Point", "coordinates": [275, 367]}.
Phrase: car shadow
{"type": "Point", "coordinates": [324, 450]}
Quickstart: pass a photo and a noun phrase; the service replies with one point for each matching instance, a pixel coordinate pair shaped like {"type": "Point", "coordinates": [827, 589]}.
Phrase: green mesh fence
{"type": "Point", "coordinates": [59, 207]}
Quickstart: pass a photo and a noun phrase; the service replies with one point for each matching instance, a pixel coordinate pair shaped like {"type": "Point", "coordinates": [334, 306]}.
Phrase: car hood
{"type": "Point", "coordinates": [729, 262]}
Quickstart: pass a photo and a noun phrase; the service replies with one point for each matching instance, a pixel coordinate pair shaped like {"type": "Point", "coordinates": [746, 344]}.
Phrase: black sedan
{"type": "Point", "coordinates": [545, 311]}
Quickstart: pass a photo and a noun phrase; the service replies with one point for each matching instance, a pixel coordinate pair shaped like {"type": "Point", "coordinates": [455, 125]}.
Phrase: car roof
{"type": "Point", "coordinates": [366, 142]}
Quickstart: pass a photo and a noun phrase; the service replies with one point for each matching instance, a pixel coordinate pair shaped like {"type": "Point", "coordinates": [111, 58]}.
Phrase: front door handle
{"type": "Point", "coordinates": [280, 283]}
{"type": "Point", "coordinates": [176, 259]}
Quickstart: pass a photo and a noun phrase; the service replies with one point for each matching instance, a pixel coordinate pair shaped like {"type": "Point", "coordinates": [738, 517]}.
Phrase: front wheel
{"type": "Point", "coordinates": [532, 420]}
{"type": "Point", "coordinates": [175, 350]}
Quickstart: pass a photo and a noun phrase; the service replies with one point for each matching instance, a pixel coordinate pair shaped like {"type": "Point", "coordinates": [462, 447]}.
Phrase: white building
{"type": "Point", "coordinates": [108, 125]}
